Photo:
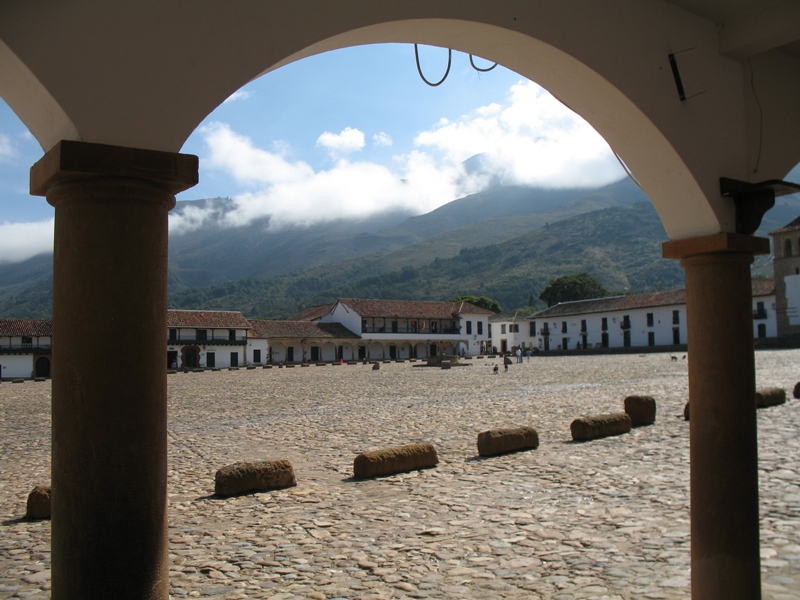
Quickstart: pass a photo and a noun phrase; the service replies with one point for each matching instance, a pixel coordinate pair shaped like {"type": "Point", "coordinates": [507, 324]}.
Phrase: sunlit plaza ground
{"type": "Point", "coordinates": [601, 519]}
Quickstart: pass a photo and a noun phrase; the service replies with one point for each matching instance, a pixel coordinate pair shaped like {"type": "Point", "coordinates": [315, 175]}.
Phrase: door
{"type": "Point", "coordinates": [211, 360]}
{"type": "Point", "coordinates": [392, 352]}
{"type": "Point", "coordinates": [42, 367]}
{"type": "Point", "coordinates": [257, 355]}
{"type": "Point", "coordinates": [290, 354]}
{"type": "Point", "coordinates": [762, 330]}
{"type": "Point", "coordinates": [314, 353]}
{"type": "Point", "coordinates": [234, 359]}
{"type": "Point", "coordinates": [172, 359]}
{"type": "Point", "coordinates": [190, 358]}
{"type": "Point", "coordinates": [362, 352]}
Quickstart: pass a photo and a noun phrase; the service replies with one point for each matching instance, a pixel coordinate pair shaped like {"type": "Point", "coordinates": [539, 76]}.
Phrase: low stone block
{"type": "Point", "coordinates": [686, 411]}
{"type": "Point", "coordinates": [18, 380]}
{"type": "Point", "coordinates": [600, 426]}
{"type": "Point", "coordinates": [399, 459]}
{"type": "Point", "coordinates": [641, 409]}
{"type": "Point", "coordinates": [39, 503]}
{"type": "Point", "coordinates": [376, 366]}
{"type": "Point", "coordinates": [796, 391]}
{"type": "Point", "coordinates": [258, 476]}
{"type": "Point", "coordinates": [502, 441]}
{"type": "Point", "coordinates": [40, 379]}
{"type": "Point", "coordinates": [767, 397]}
{"type": "Point", "coordinates": [446, 364]}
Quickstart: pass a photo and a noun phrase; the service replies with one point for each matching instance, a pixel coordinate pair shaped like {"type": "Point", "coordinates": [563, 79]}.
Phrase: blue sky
{"type": "Point", "coordinates": [348, 134]}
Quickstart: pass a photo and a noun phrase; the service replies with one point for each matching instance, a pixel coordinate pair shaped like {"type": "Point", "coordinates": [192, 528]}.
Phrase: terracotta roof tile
{"type": "Point", "coordinates": [298, 329]}
{"type": "Point", "coordinates": [224, 319]}
{"type": "Point", "coordinates": [408, 309]}
{"type": "Point", "coordinates": [314, 313]}
{"type": "Point", "coordinates": [791, 226]}
{"type": "Point", "coordinates": [25, 327]}
{"type": "Point", "coordinates": [509, 315]}
{"type": "Point", "coordinates": [761, 287]}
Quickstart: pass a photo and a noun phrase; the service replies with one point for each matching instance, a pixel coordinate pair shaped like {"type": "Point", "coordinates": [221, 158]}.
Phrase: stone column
{"type": "Point", "coordinates": [109, 444]}
{"type": "Point", "coordinates": [723, 438]}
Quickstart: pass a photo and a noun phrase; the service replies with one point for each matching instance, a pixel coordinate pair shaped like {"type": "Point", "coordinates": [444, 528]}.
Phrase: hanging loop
{"type": "Point", "coordinates": [446, 73]}
{"type": "Point", "coordinates": [472, 62]}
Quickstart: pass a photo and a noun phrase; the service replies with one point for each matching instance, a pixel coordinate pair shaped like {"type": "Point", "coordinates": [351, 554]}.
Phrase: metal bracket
{"type": "Point", "coordinates": [753, 200]}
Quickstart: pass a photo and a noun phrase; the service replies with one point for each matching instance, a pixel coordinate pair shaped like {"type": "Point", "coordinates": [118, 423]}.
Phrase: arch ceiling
{"type": "Point", "coordinates": [145, 74]}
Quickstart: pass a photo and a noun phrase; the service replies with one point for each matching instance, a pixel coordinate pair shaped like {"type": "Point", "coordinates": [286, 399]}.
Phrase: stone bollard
{"type": "Point", "coordinates": [641, 409]}
{"type": "Point", "coordinates": [39, 503]}
{"type": "Point", "coordinates": [258, 476]}
{"type": "Point", "coordinates": [18, 380]}
{"type": "Point", "coordinates": [599, 426]}
{"type": "Point", "coordinates": [686, 411]}
{"type": "Point", "coordinates": [376, 366]}
{"type": "Point", "coordinates": [796, 392]}
{"type": "Point", "coordinates": [399, 459]}
{"type": "Point", "coordinates": [446, 364]}
{"type": "Point", "coordinates": [770, 397]}
{"type": "Point", "coordinates": [502, 441]}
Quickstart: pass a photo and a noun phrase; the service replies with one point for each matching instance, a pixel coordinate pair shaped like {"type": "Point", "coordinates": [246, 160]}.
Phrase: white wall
{"type": "Point", "coordinates": [16, 365]}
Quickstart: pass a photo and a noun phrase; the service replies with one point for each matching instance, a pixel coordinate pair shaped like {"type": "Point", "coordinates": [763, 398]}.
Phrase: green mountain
{"type": "Point", "coordinates": [620, 246]}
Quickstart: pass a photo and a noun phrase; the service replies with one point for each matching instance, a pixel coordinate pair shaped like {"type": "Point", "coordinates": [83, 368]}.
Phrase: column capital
{"type": "Point", "coordinates": [70, 160]}
{"type": "Point", "coordinates": [716, 243]}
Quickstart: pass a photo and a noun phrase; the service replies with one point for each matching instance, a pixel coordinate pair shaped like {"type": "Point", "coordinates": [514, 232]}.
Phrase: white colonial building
{"type": "Point", "coordinates": [510, 330]}
{"type": "Point", "coordinates": [637, 321]}
{"type": "Point", "coordinates": [206, 339]}
{"type": "Point", "coordinates": [401, 329]}
{"type": "Point", "coordinates": [302, 341]}
{"type": "Point", "coordinates": [25, 348]}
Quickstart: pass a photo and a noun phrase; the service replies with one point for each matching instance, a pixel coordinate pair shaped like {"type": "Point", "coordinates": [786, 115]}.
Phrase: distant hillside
{"type": "Point", "coordinates": [620, 246]}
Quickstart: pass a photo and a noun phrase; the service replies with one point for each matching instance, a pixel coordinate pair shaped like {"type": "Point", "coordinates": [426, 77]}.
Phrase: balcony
{"type": "Point", "coordinates": [413, 330]}
{"type": "Point", "coordinates": [26, 349]}
{"type": "Point", "coordinates": [238, 341]}
{"type": "Point", "coordinates": [760, 315]}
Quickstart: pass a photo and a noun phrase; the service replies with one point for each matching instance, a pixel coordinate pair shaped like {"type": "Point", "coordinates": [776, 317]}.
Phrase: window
{"type": "Point", "coordinates": [605, 326]}
{"type": "Point", "coordinates": [257, 355]}
{"type": "Point", "coordinates": [563, 327]}
{"type": "Point", "coordinates": [363, 325]}
{"type": "Point", "coordinates": [626, 322]}
{"type": "Point", "coordinates": [651, 338]}
{"type": "Point", "coordinates": [502, 328]}
{"type": "Point", "coordinates": [27, 342]}
{"type": "Point", "coordinates": [787, 248]}
{"type": "Point", "coordinates": [514, 328]}
{"type": "Point", "coordinates": [231, 335]}
{"type": "Point", "coordinates": [489, 330]}
{"type": "Point", "coordinates": [583, 325]}
{"type": "Point", "coordinates": [532, 332]}
{"type": "Point", "coordinates": [202, 334]}
{"type": "Point", "coordinates": [480, 327]}
{"type": "Point", "coordinates": [676, 317]}
{"type": "Point", "coordinates": [211, 360]}
{"type": "Point", "coordinates": [469, 327]}
{"type": "Point", "coordinates": [676, 336]}
{"type": "Point", "coordinates": [650, 320]}
{"type": "Point", "coordinates": [173, 334]}
{"type": "Point", "coordinates": [234, 359]}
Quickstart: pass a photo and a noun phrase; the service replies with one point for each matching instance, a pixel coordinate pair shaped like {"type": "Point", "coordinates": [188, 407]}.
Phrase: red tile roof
{"type": "Point", "coordinates": [761, 287]}
{"type": "Point", "coordinates": [314, 313]}
{"type": "Point", "coordinates": [409, 309]}
{"type": "Point", "coordinates": [223, 319]}
{"type": "Point", "coordinates": [25, 327]}
{"type": "Point", "coordinates": [297, 329]}
{"type": "Point", "coordinates": [509, 315]}
{"type": "Point", "coordinates": [792, 226]}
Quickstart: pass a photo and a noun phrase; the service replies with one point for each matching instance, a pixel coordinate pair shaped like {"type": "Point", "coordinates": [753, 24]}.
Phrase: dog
{"type": "Point", "coordinates": [496, 369]}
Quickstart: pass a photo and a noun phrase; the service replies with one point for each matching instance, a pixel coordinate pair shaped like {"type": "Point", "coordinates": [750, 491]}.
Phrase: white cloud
{"type": "Point", "coordinates": [349, 140]}
{"type": "Point", "coordinates": [238, 95]}
{"type": "Point", "coordinates": [21, 241]}
{"type": "Point", "coordinates": [382, 139]}
{"type": "Point", "coordinates": [531, 139]}
{"type": "Point", "coordinates": [7, 150]}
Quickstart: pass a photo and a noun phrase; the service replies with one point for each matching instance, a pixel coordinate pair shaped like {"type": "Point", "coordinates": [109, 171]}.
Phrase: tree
{"type": "Point", "coordinates": [482, 301]}
{"type": "Point", "coordinates": [580, 286]}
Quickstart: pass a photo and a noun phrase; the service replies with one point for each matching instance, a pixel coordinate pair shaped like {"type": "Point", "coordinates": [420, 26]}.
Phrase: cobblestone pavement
{"type": "Point", "coordinates": [604, 519]}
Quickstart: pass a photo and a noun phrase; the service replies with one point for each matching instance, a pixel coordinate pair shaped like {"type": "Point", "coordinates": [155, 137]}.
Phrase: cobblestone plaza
{"type": "Point", "coordinates": [601, 519]}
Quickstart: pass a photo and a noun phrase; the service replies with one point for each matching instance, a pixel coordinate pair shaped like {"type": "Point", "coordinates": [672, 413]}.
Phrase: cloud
{"type": "Point", "coordinates": [21, 241]}
{"type": "Point", "coordinates": [7, 150]}
{"type": "Point", "coordinates": [349, 140]}
{"type": "Point", "coordinates": [382, 139]}
{"type": "Point", "coordinates": [237, 95]}
{"type": "Point", "coordinates": [531, 139]}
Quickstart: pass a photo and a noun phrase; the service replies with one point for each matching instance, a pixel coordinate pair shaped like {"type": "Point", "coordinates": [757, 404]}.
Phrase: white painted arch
{"type": "Point", "coordinates": [146, 74]}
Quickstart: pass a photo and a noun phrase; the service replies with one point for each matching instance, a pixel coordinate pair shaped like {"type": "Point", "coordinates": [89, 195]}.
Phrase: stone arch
{"type": "Point", "coordinates": [41, 367]}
